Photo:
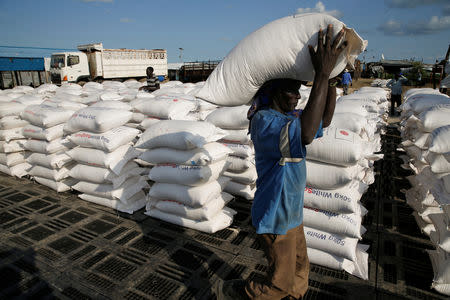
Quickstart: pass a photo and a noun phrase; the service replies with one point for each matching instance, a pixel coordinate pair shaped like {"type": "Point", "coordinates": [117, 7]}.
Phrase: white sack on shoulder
{"type": "Point", "coordinates": [181, 135]}
{"type": "Point", "coordinates": [222, 220]}
{"type": "Point", "coordinates": [107, 141]}
{"type": "Point", "coordinates": [276, 50]}
{"type": "Point", "coordinates": [209, 153]}
{"type": "Point", "coordinates": [97, 119]}
{"type": "Point", "coordinates": [187, 175]}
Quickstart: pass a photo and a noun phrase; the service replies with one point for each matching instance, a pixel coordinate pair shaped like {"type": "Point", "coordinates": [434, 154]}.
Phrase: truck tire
{"type": "Point", "coordinates": [81, 82]}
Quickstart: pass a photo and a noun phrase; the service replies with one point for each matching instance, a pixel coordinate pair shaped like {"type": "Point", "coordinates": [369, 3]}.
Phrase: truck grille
{"type": "Point", "coordinates": [56, 78]}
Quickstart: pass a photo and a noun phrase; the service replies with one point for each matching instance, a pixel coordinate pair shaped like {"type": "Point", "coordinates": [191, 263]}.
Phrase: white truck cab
{"type": "Point", "coordinates": [69, 67]}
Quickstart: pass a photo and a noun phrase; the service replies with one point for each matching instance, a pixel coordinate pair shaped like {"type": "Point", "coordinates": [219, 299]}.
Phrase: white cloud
{"type": "Point", "coordinates": [434, 25]}
{"type": "Point", "coordinates": [411, 3]}
{"type": "Point", "coordinates": [104, 1]}
{"type": "Point", "coordinates": [320, 8]}
{"type": "Point", "coordinates": [126, 20]}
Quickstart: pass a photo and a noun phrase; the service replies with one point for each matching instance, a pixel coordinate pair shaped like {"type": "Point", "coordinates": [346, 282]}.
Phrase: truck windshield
{"type": "Point", "coordinates": [57, 61]}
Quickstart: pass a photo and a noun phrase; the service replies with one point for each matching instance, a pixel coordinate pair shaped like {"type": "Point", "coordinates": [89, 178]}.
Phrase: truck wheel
{"type": "Point", "coordinates": [81, 82]}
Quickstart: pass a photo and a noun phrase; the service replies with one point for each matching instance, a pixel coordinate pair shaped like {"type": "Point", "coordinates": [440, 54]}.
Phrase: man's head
{"type": "Point", "coordinates": [346, 70]}
{"type": "Point", "coordinates": [149, 71]}
{"type": "Point", "coordinates": [285, 94]}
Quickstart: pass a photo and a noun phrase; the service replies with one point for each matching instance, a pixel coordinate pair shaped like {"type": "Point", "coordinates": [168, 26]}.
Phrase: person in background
{"type": "Point", "coordinates": [152, 82]}
{"type": "Point", "coordinates": [396, 90]}
{"type": "Point", "coordinates": [280, 134]}
{"type": "Point", "coordinates": [346, 81]}
{"type": "Point", "coordinates": [419, 78]}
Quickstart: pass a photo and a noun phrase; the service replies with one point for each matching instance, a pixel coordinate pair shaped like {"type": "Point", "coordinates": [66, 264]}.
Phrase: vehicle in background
{"type": "Point", "coordinates": [16, 71]}
{"type": "Point", "coordinates": [94, 63]}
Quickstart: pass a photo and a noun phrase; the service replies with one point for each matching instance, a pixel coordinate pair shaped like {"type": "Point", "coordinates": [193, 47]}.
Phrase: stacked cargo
{"type": "Point", "coordinates": [241, 169]}
{"type": "Point", "coordinates": [187, 163]}
{"type": "Point", "coordinates": [105, 170]}
{"type": "Point", "coordinates": [426, 134]}
{"type": "Point", "coordinates": [48, 158]}
{"type": "Point", "coordinates": [340, 168]}
{"type": "Point", "coordinates": [12, 141]}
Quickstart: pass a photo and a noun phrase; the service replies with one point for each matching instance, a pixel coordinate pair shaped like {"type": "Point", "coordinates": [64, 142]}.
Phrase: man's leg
{"type": "Point", "coordinates": [281, 255]}
{"type": "Point", "coordinates": [392, 104]}
{"type": "Point", "coordinates": [302, 271]}
{"type": "Point", "coordinates": [345, 89]}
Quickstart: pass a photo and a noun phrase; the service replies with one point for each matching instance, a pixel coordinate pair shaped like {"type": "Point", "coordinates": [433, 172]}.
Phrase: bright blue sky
{"type": "Point", "coordinates": [209, 29]}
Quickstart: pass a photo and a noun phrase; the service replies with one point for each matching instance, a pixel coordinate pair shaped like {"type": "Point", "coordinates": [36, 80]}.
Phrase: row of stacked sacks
{"type": "Point", "coordinates": [339, 170]}
{"type": "Point", "coordinates": [425, 131]}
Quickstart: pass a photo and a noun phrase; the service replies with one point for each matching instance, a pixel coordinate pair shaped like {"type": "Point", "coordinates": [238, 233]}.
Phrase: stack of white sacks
{"type": "Point", "coordinates": [425, 129]}
{"type": "Point", "coordinates": [241, 169]}
{"type": "Point", "coordinates": [105, 170]}
{"type": "Point", "coordinates": [188, 164]}
{"type": "Point", "coordinates": [12, 141]}
{"type": "Point", "coordinates": [340, 168]}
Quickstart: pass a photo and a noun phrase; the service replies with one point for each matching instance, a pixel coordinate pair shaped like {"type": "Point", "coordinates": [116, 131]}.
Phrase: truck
{"type": "Point", "coordinates": [16, 71]}
{"type": "Point", "coordinates": [94, 63]}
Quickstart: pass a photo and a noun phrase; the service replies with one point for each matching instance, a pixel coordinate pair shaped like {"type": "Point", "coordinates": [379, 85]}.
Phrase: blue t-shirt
{"type": "Point", "coordinates": [278, 203]}
{"type": "Point", "coordinates": [346, 78]}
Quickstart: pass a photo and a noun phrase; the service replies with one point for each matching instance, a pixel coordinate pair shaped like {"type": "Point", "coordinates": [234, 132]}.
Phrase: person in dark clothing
{"type": "Point", "coordinates": [152, 82]}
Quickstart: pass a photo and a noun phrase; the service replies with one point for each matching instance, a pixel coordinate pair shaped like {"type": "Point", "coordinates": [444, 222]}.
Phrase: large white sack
{"type": "Point", "coordinates": [339, 147]}
{"type": "Point", "coordinates": [112, 104]}
{"type": "Point", "coordinates": [53, 174]}
{"type": "Point", "coordinates": [249, 176]}
{"type": "Point", "coordinates": [45, 88]}
{"type": "Point", "coordinates": [440, 140]}
{"type": "Point", "coordinates": [12, 146]}
{"type": "Point", "coordinates": [52, 161]}
{"type": "Point", "coordinates": [18, 170]}
{"type": "Point", "coordinates": [64, 104]}
{"type": "Point", "coordinates": [148, 121]}
{"type": "Point", "coordinates": [59, 186]}
{"type": "Point", "coordinates": [164, 107]}
{"type": "Point", "coordinates": [133, 204]}
{"type": "Point", "coordinates": [107, 141]}
{"type": "Point", "coordinates": [326, 176]}
{"type": "Point", "coordinates": [196, 196]}
{"type": "Point", "coordinates": [42, 146]}
{"type": "Point", "coordinates": [335, 244]}
{"type": "Point", "coordinates": [353, 122]}
{"type": "Point", "coordinates": [440, 261]}
{"type": "Point", "coordinates": [11, 134]}
{"type": "Point", "coordinates": [45, 116]}
{"type": "Point", "coordinates": [10, 122]}
{"type": "Point", "coordinates": [230, 117]}
{"type": "Point", "coordinates": [242, 190]}
{"type": "Point", "coordinates": [359, 268]}
{"type": "Point", "coordinates": [341, 200]}
{"type": "Point", "coordinates": [238, 164]}
{"type": "Point", "coordinates": [12, 159]}
{"type": "Point", "coordinates": [110, 96]}
{"type": "Point", "coordinates": [343, 224]}
{"type": "Point", "coordinates": [187, 175]}
{"type": "Point", "coordinates": [370, 107]}
{"type": "Point", "coordinates": [420, 102]}
{"type": "Point", "coordinates": [205, 212]}
{"type": "Point", "coordinates": [11, 109]}
{"type": "Point", "coordinates": [222, 220]}
{"type": "Point", "coordinates": [42, 133]}
{"type": "Point", "coordinates": [276, 50]}
{"type": "Point", "coordinates": [97, 119]}
{"type": "Point", "coordinates": [244, 151]}
{"type": "Point", "coordinates": [123, 193]}
{"type": "Point", "coordinates": [28, 100]}
{"type": "Point", "coordinates": [181, 135]}
{"type": "Point", "coordinates": [103, 175]}
{"type": "Point", "coordinates": [439, 163]}
{"type": "Point", "coordinates": [114, 160]}
{"type": "Point", "coordinates": [237, 136]}
{"type": "Point", "coordinates": [435, 117]}
{"type": "Point", "coordinates": [208, 154]}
